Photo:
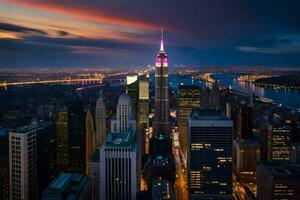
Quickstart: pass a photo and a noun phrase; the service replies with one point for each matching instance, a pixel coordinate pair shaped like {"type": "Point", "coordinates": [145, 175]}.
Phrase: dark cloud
{"type": "Point", "coordinates": [19, 29]}
{"type": "Point", "coordinates": [62, 33]}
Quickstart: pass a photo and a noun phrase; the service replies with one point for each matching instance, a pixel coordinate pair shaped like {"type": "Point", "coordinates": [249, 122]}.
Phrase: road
{"type": "Point", "coordinates": [180, 183]}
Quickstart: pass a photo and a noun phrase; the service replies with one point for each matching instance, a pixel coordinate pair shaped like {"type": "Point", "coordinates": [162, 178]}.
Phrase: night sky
{"type": "Point", "coordinates": [121, 33]}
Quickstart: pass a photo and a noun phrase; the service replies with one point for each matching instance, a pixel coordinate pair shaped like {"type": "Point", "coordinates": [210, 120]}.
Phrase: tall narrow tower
{"type": "Point", "coordinates": [161, 122]}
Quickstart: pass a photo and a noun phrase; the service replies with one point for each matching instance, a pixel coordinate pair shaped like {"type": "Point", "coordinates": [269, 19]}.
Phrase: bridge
{"type": "Point", "coordinates": [84, 81]}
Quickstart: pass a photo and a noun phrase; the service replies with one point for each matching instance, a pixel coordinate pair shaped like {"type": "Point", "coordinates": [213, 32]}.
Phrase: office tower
{"type": "Point", "coordinates": [162, 189]}
{"type": "Point", "coordinates": [100, 119]}
{"type": "Point", "coordinates": [23, 163]}
{"type": "Point", "coordinates": [69, 186]}
{"type": "Point", "coordinates": [62, 141]}
{"type": "Point", "coordinates": [95, 174]}
{"type": "Point", "coordinates": [4, 164]}
{"type": "Point", "coordinates": [209, 155]}
{"type": "Point", "coordinates": [277, 180]}
{"type": "Point", "coordinates": [76, 139]}
{"type": "Point", "coordinates": [90, 140]}
{"type": "Point", "coordinates": [246, 153]}
{"type": "Point", "coordinates": [245, 121]}
{"type": "Point", "coordinates": [124, 119]}
{"type": "Point", "coordinates": [143, 103]}
{"type": "Point", "coordinates": [118, 167]}
{"type": "Point", "coordinates": [188, 99]}
{"type": "Point", "coordinates": [161, 120]}
{"type": "Point", "coordinates": [279, 140]}
{"type": "Point", "coordinates": [132, 90]}
{"type": "Point", "coordinates": [214, 95]}
{"type": "Point", "coordinates": [46, 155]}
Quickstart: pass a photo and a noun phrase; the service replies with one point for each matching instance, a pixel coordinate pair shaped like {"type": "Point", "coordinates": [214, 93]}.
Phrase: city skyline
{"type": "Point", "coordinates": [94, 107]}
{"type": "Point", "coordinates": [110, 34]}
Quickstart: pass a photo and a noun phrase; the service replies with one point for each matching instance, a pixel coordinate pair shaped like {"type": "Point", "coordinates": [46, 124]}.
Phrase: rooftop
{"type": "Point", "coordinates": [281, 169]}
{"type": "Point", "coordinates": [67, 186]}
{"type": "Point", "coordinates": [207, 114]}
{"type": "Point", "coordinates": [120, 139]}
{"type": "Point", "coordinates": [31, 127]}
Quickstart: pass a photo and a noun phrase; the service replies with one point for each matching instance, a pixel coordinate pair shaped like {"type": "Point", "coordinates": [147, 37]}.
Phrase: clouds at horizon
{"type": "Point", "coordinates": [126, 33]}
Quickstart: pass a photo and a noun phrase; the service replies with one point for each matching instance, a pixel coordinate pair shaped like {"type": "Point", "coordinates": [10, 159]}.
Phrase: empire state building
{"type": "Point", "coordinates": [161, 122]}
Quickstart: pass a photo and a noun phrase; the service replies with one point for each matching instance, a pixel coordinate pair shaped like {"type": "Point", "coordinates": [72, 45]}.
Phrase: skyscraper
{"type": "Point", "coordinates": [95, 174]}
{"type": "Point", "coordinates": [46, 155]}
{"type": "Point", "coordinates": [209, 155]}
{"type": "Point", "coordinates": [277, 180]}
{"type": "Point", "coordinates": [132, 89]}
{"type": "Point", "coordinates": [76, 139]}
{"type": "Point", "coordinates": [100, 119]}
{"type": "Point", "coordinates": [245, 121]}
{"type": "Point", "coordinates": [143, 102]}
{"type": "Point", "coordinates": [246, 153]}
{"type": "Point", "coordinates": [124, 119]}
{"type": "Point", "coordinates": [161, 121]}
{"type": "Point", "coordinates": [62, 143]}
{"type": "Point", "coordinates": [23, 163]}
{"type": "Point", "coordinates": [4, 164]}
{"type": "Point", "coordinates": [188, 99]}
{"type": "Point", "coordinates": [279, 140]}
{"type": "Point", "coordinates": [118, 167]}
{"type": "Point", "coordinates": [90, 140]}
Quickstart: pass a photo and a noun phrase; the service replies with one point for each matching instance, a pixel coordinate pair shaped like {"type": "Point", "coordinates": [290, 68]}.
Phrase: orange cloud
{"type": "Point", "coordinates": [85, 12]}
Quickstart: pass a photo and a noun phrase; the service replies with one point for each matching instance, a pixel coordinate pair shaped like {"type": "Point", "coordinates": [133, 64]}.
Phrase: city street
{"type": "Point", "coordinates": [180, 183]}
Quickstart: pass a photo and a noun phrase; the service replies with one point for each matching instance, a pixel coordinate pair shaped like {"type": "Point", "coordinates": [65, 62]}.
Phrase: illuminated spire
{"type": "Point", "coordinates": [162, 40]}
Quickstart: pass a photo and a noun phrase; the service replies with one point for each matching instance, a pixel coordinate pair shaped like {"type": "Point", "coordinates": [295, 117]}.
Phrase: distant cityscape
{"type": "Point", "coordinates": [149, 133]}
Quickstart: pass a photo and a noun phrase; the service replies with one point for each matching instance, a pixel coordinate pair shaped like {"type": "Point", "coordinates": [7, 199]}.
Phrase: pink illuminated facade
{"type": "Point", "coordinates": [161, 122]}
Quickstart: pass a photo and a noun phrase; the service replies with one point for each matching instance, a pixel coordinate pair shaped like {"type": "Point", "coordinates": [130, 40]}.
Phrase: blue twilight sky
{"type": "Point", "coordinates": [106, 33]}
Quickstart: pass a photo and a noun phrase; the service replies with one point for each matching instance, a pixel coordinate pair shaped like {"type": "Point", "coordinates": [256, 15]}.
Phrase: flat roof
{"type": "Point", "coordinates": [206, 114]}
{"type": "Point", "coordinates": [120, 139]}
{"type": "Point", "coordinates": [281, 169]}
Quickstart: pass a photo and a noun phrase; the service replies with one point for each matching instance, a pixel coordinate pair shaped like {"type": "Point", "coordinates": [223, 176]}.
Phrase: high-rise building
{"type": "Point", "coordinates": [62, 141]}
{"type": "Point", "coordinates": [118, 167]}
{"type": "Point", "coordinates": [214, 95]}
{"type": "Point", "coordinates": [143, 103]}
{"type": "Point", "coordinates": [100, 118]}
{"type": "Point", "coordinates": [279, 140]}
{"type": "Point", "coordinates": [188, 99]}
{"type": "Point", "coordinates": [4, 164]}
{"type": "Point", "coordinates": [161, 120]}
{"type": "Point", "coordinates": [132, 90]}
{"type": "Point", "coordinates": [124, 119]}
{"type": "Point", "coordinates": [46, 155]}
{"type": "Point", "coordinates": [246, 154]}
{"type": "Point", "coordinates": [278, 180]}
{"type": "Point", "coordinates": [69, 186]}
{"type": "Point", "coordinates": [90, 140]}
{"type": "Point", "coordinates": [76, 139]}
{"type": "Point", "coordinates": [209, 155]}
{"type": "Point", "coordinates": [245, 121]}
{"type": "Point", "coordinates": [23, 163]}
{"type": "Point", "coordinates": [95, 174]}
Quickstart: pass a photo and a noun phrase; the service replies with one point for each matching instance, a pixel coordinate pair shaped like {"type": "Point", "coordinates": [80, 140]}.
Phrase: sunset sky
{"type": "Point", "coordinates": [115, 33]}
